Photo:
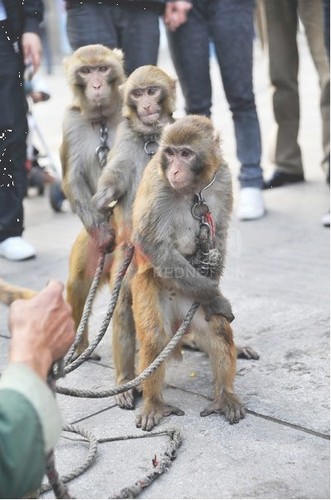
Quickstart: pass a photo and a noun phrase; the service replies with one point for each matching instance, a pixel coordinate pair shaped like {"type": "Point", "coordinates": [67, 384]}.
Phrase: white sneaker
{"type": "Point", "coordinates": [250, 204]}
{"type": "Point", "coordinates": [16, 248]}
{"type": "Point", "coordinates": [326, 220]}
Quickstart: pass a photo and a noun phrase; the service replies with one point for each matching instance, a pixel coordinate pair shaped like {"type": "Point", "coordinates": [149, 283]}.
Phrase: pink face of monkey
{"type": "Point", "coordinates": [180, 165]}
{"type": "Point", "coordinates": [96, 81]}
{"type": "Point", "coordinates": [148, 103]}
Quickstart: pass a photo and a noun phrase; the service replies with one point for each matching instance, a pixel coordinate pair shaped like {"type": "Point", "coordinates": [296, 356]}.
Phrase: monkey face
{"type": "Point", "coordinates": [94, 73]}
{"type": "Point", "coordinates": [147, 103]}
{"type": "Point", "coordinates": [180, 165]}
{"type": "Point", "coordinates": [96, 83]}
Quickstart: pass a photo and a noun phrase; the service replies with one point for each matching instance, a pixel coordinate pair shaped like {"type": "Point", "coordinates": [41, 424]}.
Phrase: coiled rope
{"type": "Point", "coordinates": [58, 484]}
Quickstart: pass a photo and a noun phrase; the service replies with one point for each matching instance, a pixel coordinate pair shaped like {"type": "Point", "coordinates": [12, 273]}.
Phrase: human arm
{"type": "Point", "coordinates": [42, 330]}
{"type": "Point", "coordinates": [31, 43]}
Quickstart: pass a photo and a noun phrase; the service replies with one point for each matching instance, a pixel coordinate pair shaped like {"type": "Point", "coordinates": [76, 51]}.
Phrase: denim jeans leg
{"type": "Point", "coordinates": [189, 49]}
{"type": "Point", "coordinates": [232, 30]}
{"type": "Point", "coordinates": [140, 37]}
{"type": "Point", "coordinates": [90, 24]}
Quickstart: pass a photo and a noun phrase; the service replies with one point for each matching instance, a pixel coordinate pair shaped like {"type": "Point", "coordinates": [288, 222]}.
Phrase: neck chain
{"type": "Point", "coordinates": [101, 151]}
{"type": "Point", "coordinates": [200, 209]}
{"type": "Point", "coordinates": [206, 258]}
{"type": "Point", "coordinates": [151, 145]}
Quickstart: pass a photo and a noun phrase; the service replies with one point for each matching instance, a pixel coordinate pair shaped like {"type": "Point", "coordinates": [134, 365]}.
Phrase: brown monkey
{"type": "Point", "coordinates": [94, 73]}
{"type": "Point", "coordinates": [149, 98]}
{"type": "Point", "coordinates": [180, 220]}
{"type": "Point", "coordinates": [9, 292]}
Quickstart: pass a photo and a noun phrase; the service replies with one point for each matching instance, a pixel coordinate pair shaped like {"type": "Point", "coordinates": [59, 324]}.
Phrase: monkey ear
{"type": "Point", "coordinates": [173, 84]}
{"type": "Point", "coordinates": [65, 62]}
{"type": "Point", "coordinates": [121, 89]}
{"type": "Point", "coordinates": [216, 139]}
{"type": "Point", "coordinates": [119, 53]}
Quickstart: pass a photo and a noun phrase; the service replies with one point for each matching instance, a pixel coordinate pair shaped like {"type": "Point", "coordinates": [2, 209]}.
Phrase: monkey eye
{"type": "Point", "coordinates": [103, 69]}
{"type": "Point", "coordinates": [85, 70]}
{"type": "Point", "coordinates": [152, 90]}
{"type": "Point", "coordinates": [186, 153]}
{"type": "Point", "coordinates": [136, 93]}
{"type": "Point", "coordinates": [169, 152]}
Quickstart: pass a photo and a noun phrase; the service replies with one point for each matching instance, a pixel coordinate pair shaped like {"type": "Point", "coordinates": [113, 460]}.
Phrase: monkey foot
{"type": "Point", "coordinates": [246, 352]}
{"type": "Point", "coordinates": [126, 400]}
{"type": "Point", "coordinates": [94, 356]}
{"type": "Point", "coordinates": [229, 405]}
{"type": "Point", "coordinates": [151, 415]}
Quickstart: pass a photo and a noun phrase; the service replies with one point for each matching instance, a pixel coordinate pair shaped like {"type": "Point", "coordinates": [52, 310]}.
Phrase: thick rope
{"type": "Point", "coordinates": [146, 373]}
{"type": "Point", "coordinates": [87, 307]}
{"type": "Point", "coordinates": [111, 306]}
{"type": "Point", "coordinates": [160, 466]}
{"type": "Point", "coordinates": [56, 482]}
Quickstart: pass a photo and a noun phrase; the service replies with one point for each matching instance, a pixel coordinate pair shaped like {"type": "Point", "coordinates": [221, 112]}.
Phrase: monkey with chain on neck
{"type": "Point", "coordinates": [186, 188]}
{"type": "Point", "coordinates": [149, 98]}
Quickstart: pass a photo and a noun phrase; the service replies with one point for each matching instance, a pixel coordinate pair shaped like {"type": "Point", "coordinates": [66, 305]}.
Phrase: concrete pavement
{"type": "Point", "coordinates": [277, 278]}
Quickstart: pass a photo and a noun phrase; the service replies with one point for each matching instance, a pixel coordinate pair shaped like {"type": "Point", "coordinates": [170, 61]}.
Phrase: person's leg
{"type": "Point", "coordinates": [139, 35]}
{"type": "Point", "coordinates": [311, 15]}
{"type": "Point", "coordinates": [232, 30]}
{"type": "Point", "coordinates": [282, 21]}
{"type": "Point", "coordinates": [13, 132]}
{"type": "Point", "coordinates": [189, 50]}
{"type": "Point", "coordinates": [89, 24]}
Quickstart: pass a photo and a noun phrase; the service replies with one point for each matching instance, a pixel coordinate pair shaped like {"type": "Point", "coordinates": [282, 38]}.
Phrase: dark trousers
{"type": "Point", "coordinates": [282, 18]}
{"type": "Point", "coordinates": [134, 30]}
{"type": "Point", "coordinates": [229, 24]}
{"type": "Point", "coordinates": [13, 131]}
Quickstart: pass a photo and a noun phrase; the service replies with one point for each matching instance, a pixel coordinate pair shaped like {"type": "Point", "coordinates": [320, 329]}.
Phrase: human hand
{"type": "Point", "coordinates": [32, 49]}
{"type": "Point", "coordinates": [42, 329]}
{"type": "Point", "coordinates": [176, 13]}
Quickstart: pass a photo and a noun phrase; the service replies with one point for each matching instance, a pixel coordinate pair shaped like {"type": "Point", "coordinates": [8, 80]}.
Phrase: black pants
{"type": "Point", "coordinates": [13, 131]}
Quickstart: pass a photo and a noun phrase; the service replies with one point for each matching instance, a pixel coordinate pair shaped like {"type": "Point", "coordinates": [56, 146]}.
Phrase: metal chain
{"type": "Point", "coordinates": [103, 150]}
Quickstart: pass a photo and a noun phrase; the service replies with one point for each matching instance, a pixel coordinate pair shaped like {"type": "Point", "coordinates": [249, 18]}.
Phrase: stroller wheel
{"type": "Point", "coordinates": [56, 196]}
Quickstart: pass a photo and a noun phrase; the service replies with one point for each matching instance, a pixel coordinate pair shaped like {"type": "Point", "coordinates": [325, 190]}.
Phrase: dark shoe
{"type": "Point", "coordinates": [281, 179]}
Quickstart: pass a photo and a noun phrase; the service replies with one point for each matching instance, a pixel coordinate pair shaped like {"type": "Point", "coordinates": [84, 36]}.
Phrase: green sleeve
{"type": "Point", "coordinates": [22, 455]}
{"type": "Point", "coordinates": [30, 426]}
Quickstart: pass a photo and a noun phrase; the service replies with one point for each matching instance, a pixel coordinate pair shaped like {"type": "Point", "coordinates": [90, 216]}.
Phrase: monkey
{"type": "Point", "coordinates": [185, 192]}
{"type": "Point", "coordinates": [9, 292]}
{"type": "Point", "coordinates": [149, 99]}
{"type": "Point", "coordinates": [94, 74]}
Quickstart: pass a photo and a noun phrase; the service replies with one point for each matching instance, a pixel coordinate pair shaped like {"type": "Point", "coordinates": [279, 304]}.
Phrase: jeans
{"type": "Point", "coordinates": [13, 132]}
{"type": "Point", "coordinates": [229, 24]}
{"type": "Point", "coordinates": [134, 30]}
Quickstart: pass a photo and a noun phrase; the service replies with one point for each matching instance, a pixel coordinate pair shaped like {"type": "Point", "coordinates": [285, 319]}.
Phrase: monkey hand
{"type": "Point", "coordinates": [219, 305]}
{"type": "Point", "coordinates": [102, 199]}
{"type": "Point", "coordinates": [103, 236]}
